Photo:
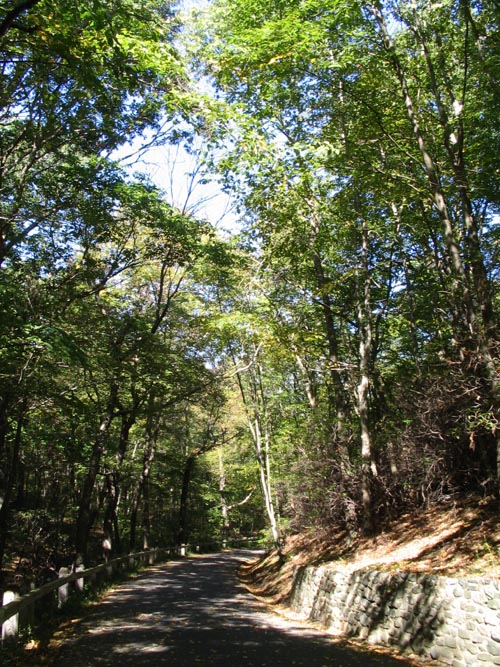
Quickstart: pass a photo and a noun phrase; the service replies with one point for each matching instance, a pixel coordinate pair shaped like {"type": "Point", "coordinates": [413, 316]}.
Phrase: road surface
{"type": "Point", "coordinates": [195, 612]}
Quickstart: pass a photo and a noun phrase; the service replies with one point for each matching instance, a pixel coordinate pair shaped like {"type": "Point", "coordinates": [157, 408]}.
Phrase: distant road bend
{"type": "Point", "coordinates": [195, 612]}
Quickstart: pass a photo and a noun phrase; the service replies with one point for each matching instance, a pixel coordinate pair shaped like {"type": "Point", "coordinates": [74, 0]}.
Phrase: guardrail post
{"type": "Point", "coordinates": [63, 590]}
{"type": "Point", "coordinates": [10, 627]}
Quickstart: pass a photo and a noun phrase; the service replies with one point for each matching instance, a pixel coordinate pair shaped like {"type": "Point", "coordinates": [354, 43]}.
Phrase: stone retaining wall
{"type": "Point", "coordinates": [455, 621]}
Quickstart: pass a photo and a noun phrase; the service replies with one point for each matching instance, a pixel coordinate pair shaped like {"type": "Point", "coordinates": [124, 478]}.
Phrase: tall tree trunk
{"type": "Point", "coordinates": [337, 393]}
{"type": "Point", "coordinates": [8, 481]}
{"type": "Point", "coordinates": [262, 451]}
{"type": "Point", "coordinates": [146, 513]}
{"type": "Point", "coordinates": [256, 414]}
{"type": "Point", "coordinates": [480, 42]}
{"type": "Point", "coordinates": [368, 465]}
{"type": "Point", "coordinates": [4, 425]}
{"type": "Point", "coordinates": [183, 532]}
{"type": "Point", "coordinates": [308, 384]}
{"type": "Point", "coordinates": [222, 495]}
{"type": "Point", "coordinates": [453, 139]}
{"type": "Point", "coordinates": [225, 508]}
{"type": "Point", "coordinates": [365, 344]}
{"type": "Point", "coordinates": [86, 516]}
{"type": "Point", "coordinates": [113, 480]}
{"type": "Point", "coordinates": [153, 424]}
{"type": "Point", "coordinates": [133, 519]}
{"type": "Point", "coordinates": [259, 426]}
{"type": "Point", "coordinates": [460, 283]}
{"type": "Point", "coordinates": [4, 479]}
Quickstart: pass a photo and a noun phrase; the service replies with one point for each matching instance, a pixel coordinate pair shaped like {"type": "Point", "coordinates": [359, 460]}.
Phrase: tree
{"type": "Point", "coordinates": [364, 205]}
{"type": "Point", "coordinates": [448, 176]}
{"type": "Point", "coordinates": [69, 75]}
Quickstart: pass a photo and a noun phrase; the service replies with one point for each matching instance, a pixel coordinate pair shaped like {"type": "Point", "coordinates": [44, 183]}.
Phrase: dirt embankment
{"type": "Point", "coordinates": [460, 539]}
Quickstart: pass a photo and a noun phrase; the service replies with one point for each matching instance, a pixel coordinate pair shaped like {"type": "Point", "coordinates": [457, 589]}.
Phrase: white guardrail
{"type": "Point", "coordinates": [18, 612]}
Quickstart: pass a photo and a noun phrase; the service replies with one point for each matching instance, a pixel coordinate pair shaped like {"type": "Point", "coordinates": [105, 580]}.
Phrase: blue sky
{"type": "Point", "coordinates": [178, 173]}
{"type": "Point", "coordinates": [180, 176]}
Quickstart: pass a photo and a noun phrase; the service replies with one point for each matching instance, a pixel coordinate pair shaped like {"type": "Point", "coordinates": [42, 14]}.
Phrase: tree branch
{"type": "Point", "coordinates": [242, 502]}
{"type": "Point", "coordinates": [14, 14]}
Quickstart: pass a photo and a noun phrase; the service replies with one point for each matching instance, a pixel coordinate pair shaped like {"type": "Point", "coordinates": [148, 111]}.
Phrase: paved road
{"type": "Point", "coordinates": [195, 612]}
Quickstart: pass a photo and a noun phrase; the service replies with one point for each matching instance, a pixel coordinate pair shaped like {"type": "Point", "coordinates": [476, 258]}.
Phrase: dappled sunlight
{"type": "Point", "coordinates": [454, 539]}
{"type": "Point", "coordinates": [196, 612]}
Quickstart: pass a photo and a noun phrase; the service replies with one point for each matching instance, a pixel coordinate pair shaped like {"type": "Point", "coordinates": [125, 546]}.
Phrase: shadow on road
{"type": "Point", "coordinates": [195, 612]}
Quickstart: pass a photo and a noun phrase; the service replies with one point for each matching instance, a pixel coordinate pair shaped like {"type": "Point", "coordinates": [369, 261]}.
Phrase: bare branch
{"type": "Point", "coordinates": [237, 371]}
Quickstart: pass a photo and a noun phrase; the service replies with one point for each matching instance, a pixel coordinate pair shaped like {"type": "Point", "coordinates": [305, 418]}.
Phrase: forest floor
{"type": "Point", "coordinates": [457, 539]}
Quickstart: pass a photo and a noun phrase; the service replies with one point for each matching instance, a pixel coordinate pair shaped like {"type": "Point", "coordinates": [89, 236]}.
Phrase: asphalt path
{"type": "Point", "coordinates": [196, 612]}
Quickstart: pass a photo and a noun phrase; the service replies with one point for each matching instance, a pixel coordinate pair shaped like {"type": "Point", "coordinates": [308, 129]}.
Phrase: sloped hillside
{"type": "Point", "coordinates": [459, 538]}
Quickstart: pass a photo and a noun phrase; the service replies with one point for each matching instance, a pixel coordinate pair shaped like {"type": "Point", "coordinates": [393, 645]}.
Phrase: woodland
{"type": "Point", "coordinates": [331, 363]}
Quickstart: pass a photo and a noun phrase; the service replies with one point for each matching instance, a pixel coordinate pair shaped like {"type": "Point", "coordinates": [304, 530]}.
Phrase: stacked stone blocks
{"type": "Point", "coordinates": [454, 621]}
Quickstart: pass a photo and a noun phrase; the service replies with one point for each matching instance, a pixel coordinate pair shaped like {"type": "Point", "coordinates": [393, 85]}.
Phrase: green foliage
{"type": "Point", "coordinates": [343, 347]}
{"type": "Point", "coordinates": [103, 335]}
{"type": "Point", "coordinates": [346, 137]}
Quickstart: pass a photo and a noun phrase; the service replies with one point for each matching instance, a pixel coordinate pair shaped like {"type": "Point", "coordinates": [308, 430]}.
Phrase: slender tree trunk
{"type": "Point", "coordinates": [4, 479]}
{"type": "Point", "coordinates": [133, 519]}
{"type": "Point", "coordinates": [261, 446]}
{"type": "Point", "coordinates": [153, 424]}
{"type": "Point", "coordinates": [146, 513]}
{"type": "Point", "coordinates": [308, 384]}
{"type": "Point", "coordinates": [428, 162]}
{"type": "Point", "coordinates": [256, 414]}
{"type": "Point", "coordinates": [86, 516]}
{"type": "Point", "coordinates": [225, 508]}
{"type": "Point", "coordinates": [4, 426]}
{"type": "Point", "coordinates": [113, 481]}
{"type": "Point", "coordinates": [223, 503]}
{"type": "Point", "coordinates": [338, 405]}
{"type": "Point", "coordinates": [453, 139]}
{"type": "Point", "coordinates": [369, 470]}
{"type": "Point", "coordinates": [479, 41]}
{"type": "Point", "coordinates": [368, 465]}
{"type": "Point", "coordinates": [462, 291]}
{"type": "Point", "coordinates": [337, 397]}
{"type": "Point", "coordinates": [187, 473]}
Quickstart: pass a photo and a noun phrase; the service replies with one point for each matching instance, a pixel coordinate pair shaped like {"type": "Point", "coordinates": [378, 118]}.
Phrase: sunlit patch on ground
{"type": "Point", "coordinates": [137, 647]}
